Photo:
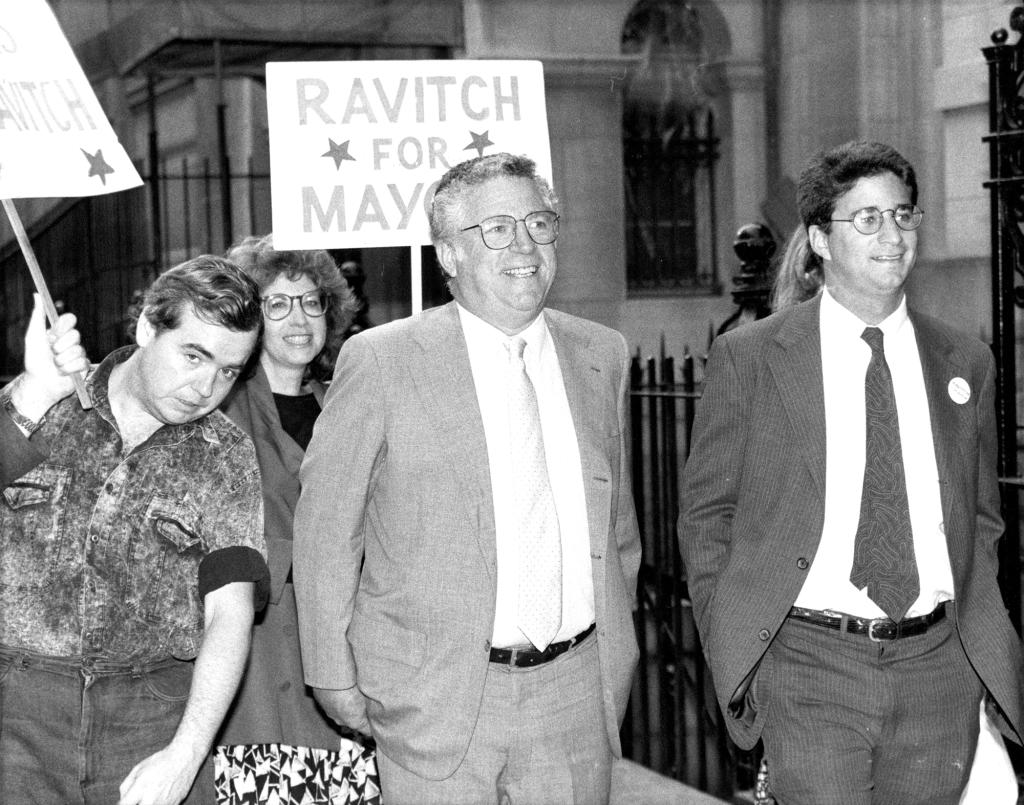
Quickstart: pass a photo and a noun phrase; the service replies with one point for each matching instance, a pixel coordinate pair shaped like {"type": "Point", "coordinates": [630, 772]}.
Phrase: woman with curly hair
{"type": "Point", "coordinates": [276, 744]}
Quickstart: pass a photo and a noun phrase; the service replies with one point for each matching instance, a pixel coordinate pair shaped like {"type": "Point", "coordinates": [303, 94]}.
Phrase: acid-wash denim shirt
{"type": "Point", "coordinates": [100, 550]}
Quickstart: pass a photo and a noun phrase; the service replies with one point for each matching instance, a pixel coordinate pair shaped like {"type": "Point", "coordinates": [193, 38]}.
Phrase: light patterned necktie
{"type": "Point", "coordinates": [539, 605]}
{"type": "Point", "coordinates": [883, 559]}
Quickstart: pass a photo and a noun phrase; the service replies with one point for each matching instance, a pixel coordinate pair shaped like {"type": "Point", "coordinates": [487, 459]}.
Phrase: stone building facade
{"type": "Point", "coordinates": [777, 79]}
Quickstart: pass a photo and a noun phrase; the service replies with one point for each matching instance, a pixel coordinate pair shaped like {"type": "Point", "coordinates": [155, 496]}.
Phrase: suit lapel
{"type": "Point", "coordinates": [951, 432]}
{"type": "Point", "coordinates": [443, 377]}
{"type": "Point", "coordinates": [795, 363]}
{"type": "Point", "coordinates": [253, 408]}
{"type": "Point", "coordinates": [585, 384]}
{"type": "Point", "coordinates": [266, 427]}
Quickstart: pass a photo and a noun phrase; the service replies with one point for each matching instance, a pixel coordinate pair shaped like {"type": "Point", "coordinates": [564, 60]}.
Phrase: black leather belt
{"type": "Point", "coordinates": [526, 657]}
{"type": "Point", "coordinates": [875, 628]}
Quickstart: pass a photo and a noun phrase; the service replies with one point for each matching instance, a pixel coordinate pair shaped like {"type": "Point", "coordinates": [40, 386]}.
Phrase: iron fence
{"type": "Point", "coordinates": [98, 252]}
{"type": "Point", "coordinates": [201, 207]}
{"type": "Point", "coordinates": [1006, 205]}
{"type": "Point", "coordinates": [673, 724]}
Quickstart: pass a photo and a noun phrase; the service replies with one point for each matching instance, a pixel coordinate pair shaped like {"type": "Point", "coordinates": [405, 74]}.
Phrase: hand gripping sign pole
{"type": "Point", "coordinates": [55, 139]}
{"type": "Point", "coordinates": [41, 289]}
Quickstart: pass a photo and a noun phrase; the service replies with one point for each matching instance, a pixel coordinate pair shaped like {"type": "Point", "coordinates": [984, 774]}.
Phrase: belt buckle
{"type": "Point", "coordinates": [871, 629]}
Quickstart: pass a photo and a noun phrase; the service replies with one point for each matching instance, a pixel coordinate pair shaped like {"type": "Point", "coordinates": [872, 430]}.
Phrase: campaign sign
{"type": "Point", "coordinates": [55, 139]}
{"type": "Point", "coordinates": [357, 148]}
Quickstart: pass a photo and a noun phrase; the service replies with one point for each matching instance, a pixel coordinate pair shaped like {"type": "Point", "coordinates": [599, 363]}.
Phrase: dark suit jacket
{"type": "Point", "coordinates": [754, 494]}
{"type": "Point", "coordinates": [273, 704]}
{"type": "Point", "coordinates": [397, 477]}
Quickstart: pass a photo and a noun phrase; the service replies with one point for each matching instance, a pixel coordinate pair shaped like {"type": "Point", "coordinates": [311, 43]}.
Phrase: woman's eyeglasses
{"type": "Point", "coordinates": [277, 306]}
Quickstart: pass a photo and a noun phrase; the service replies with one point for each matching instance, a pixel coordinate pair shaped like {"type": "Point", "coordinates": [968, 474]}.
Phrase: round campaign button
{"type": "Point", "coordinates": [959, 390]}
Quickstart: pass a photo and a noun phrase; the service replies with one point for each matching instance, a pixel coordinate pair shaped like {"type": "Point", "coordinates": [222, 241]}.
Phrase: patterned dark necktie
{"type": "Point", "coordinates": [883, 559]}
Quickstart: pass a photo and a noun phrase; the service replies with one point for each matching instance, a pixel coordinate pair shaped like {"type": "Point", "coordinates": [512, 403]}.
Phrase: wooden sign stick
{"type": "Point", "coordinates": [41, 289]}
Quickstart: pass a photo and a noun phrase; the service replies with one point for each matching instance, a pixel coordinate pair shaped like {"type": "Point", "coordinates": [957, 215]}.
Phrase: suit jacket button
{"type": "Point", "coordinates": [802, 563]}
{"type": "Point", "coordinates": [764, 634]}
{"type": "Point", "coordinates": [487, 645]}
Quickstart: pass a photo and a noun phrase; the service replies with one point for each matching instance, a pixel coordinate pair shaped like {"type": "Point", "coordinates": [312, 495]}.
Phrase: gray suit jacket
{"type": "Point", "coordinates": [397, 478]}
{"type": "Point", "coordinates": [754, 493]}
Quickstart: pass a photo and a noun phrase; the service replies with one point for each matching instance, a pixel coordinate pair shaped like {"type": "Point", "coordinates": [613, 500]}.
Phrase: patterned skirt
{"type": "Point", "coordinates": [278, 774]}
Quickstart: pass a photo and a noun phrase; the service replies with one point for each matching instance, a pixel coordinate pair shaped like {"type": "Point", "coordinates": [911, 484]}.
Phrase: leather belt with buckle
{"type": "Point", "coordinates": [876, 629]}
{"type": "Point", "coordinates": [527, 657]}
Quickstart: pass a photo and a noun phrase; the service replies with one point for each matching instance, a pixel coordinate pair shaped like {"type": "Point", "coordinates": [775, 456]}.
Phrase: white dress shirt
{"type": "Point", "coordinates": [845, 357]}
{"type": "Point", "coordinates": [488, 359]}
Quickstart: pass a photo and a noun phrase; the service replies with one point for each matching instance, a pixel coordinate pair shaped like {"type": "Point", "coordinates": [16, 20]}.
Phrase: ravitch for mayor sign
{"type": "Point", "coordinates": [356, 148]}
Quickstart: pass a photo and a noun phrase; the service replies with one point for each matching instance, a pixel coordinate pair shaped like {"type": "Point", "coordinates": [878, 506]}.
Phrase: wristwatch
{"type": "Point", "coordinates": [19, 418]}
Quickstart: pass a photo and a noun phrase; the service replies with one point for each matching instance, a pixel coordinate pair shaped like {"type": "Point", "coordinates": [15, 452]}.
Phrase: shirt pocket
{"type": "Point", "coordinates": [165, 563]}
{"type": "Point", "coordinates": [176, 523]}
{"type": "Point", "coordinates": [34, 525]}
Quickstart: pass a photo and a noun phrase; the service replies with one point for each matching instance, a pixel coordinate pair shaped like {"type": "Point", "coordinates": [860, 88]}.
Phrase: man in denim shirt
{"type": "Point", "coordinates": [131, 554]}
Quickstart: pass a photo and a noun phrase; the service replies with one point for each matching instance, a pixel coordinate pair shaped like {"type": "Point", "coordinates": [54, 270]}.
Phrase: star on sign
{"type": "Point", "coordinates": [480, 142]}
{"type": "Point", "coordinates": [338, 152]}
{"type": "Point", "coordinates": [97, 164]}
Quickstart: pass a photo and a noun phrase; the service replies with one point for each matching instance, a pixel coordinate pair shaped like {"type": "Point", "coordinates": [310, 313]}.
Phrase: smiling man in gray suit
{"type": "Point", "coordinates": [841, 516]}
{"type": "Point", "coordinates": [466, 547]}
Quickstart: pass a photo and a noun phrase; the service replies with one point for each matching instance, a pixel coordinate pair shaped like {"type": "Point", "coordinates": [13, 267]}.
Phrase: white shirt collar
{"type": "Point", "coordinates": [841, 322]}
{"type": "Point", "coordinates": [477, 330]}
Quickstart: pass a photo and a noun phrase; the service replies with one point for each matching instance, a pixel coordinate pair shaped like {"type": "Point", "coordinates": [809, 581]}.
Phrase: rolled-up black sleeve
{"type": "Point", "coordinates": [235, 563]}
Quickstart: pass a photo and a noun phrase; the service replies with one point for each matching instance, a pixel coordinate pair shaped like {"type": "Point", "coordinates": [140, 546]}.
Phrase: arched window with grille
{"type": "Point", "coordinates": [669, 153]}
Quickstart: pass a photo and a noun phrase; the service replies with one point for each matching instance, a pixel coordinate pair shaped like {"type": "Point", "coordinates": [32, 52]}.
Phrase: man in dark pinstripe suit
{"type": "Point", "coordinates": [847, 599]}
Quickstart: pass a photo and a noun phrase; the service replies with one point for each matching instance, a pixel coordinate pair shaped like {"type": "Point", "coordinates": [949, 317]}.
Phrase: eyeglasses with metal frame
{"type": "Point", "coordinates": [868, 220]}
{"type": "Point", "coordinates": [499, 231]}
{"type": "Point", "coordinates": [277, 306]}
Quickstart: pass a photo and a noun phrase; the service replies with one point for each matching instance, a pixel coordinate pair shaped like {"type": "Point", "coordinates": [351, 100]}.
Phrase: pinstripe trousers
{"type": "Point", "coordinates": [852, 721]}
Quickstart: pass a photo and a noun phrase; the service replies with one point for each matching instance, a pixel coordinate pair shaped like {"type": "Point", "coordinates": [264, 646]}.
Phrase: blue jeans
{"type": "Point", "coordinates": [71, 728]}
